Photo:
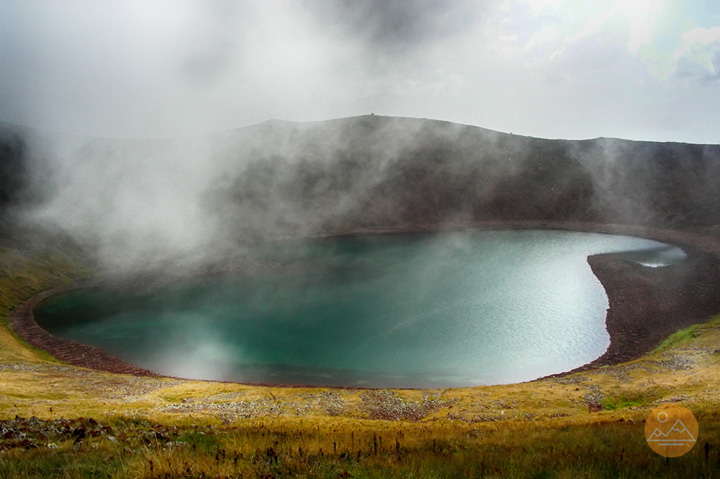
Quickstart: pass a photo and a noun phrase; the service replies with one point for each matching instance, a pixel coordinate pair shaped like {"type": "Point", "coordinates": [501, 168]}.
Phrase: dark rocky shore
{"type": "Point", "coordinates": [645, 304]}
{"type": "Point", "coordinates": [648, 304]}
{"type": "Point", "coordinates": [22, 322]}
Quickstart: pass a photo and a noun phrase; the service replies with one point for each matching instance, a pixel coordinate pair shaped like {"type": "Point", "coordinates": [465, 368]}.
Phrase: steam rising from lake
{"type": "Point", "coordinates": [170, 205]}
{"type": "Point", "coordinates": [390, 311]}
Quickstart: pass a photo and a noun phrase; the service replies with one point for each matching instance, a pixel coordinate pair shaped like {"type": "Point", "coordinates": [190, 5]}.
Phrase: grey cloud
{"type": "Point", "coordinates": [218, 35]}
{"type": "Point", "coordinates": [184, 67]}
{"type": "Point", "coordinates": [714, 77]}
{"type": "Point", "coordinates": [689, 69]}
{"type": "Point", "coordinates": [207, 64]}
{"type": "Point", "coordinates": [393, 27]}
{"type": "Point", "coordinates": [128, 69]}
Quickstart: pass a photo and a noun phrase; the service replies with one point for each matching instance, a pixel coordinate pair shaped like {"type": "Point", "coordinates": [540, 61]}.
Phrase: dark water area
{"type": "Point", "coordinates": [431, 310]}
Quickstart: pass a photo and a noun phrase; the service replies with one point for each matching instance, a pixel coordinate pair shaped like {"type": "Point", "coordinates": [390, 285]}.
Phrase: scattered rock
{"type": "Point", "coordinates": [673, 399]}
{"type": "Point", "coordinates": [594, 398]}
{"type": "Point", "coordinates": [28, 433]}
{"type": "Point", "coordinates": [678, 363]}
{"type": "Point", "coordinates": [173, 444]}
{"type": "Point", "coordinates": [384, 404]}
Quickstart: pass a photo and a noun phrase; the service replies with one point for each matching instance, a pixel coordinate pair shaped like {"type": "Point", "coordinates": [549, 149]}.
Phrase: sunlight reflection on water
{"type": "Point", "coordinates": [451, 309]}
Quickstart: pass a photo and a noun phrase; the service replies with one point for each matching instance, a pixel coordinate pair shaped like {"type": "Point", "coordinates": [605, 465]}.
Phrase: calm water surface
{"type": "Point", "coordinates": [449, 309]}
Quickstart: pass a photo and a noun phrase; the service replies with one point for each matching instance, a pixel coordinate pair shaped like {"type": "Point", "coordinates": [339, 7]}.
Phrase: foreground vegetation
{"type": "Point", "coordinates": [132, 448]}
{"type": "Point", "coordinates": [61, 421]}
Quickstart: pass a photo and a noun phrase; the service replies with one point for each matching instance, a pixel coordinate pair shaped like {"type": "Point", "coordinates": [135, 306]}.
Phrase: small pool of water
{"type": "Point", "coordinates": [430, 310]}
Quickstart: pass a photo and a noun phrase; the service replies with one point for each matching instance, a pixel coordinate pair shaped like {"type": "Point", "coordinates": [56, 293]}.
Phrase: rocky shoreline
{"type": "Point", "coordinates": [22, 322]}
{"type": "Point", "coordinates": [645, 304]}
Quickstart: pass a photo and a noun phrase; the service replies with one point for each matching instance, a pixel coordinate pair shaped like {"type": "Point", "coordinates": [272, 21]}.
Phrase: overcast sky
{"type": "Point", "coordinates": [638, 69]}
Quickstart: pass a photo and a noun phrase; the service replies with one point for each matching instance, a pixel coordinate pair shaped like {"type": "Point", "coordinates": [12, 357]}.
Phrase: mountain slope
{"type": "Point", "coordinates": [282, 179]}
{"type": "Point", "coordinates": [384, 171]}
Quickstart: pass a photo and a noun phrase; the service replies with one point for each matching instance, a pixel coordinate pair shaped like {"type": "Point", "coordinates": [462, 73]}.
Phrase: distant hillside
{"type": "Point", "coordinates": [282, 178]}
{"type": "Point", "coordinates": [13, 169]}
{"type": "Point", "coordinates": [422, 171]}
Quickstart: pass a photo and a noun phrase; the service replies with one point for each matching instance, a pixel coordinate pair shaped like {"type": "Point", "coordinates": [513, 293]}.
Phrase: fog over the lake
{"type": "Point", "coordinates": [641, 69]}
{"type": "Point", "coordinates": [100, 81]}
{"type": "Point", "coordinates": [142, 204]}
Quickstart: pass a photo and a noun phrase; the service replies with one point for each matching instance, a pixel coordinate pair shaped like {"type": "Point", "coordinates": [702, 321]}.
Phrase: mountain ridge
{"type": "Point", "coordinates": [9, 125]}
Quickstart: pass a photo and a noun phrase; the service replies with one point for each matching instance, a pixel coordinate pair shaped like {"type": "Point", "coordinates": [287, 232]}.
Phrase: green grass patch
{"type": "Point", "coordinates": [47, 463]}
{"type": "Point", "coordinates": [633, 398]}
{"type": "Point", "coordinates": [678, 338]}
{"type": "Point", "coordinates": [200, 440]}
{"type": "Point", "coordinates": [611, 404]}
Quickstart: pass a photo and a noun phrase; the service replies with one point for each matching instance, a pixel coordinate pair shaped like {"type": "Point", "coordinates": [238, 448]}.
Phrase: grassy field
{"type": "Point", "coordinates": [62, 421]}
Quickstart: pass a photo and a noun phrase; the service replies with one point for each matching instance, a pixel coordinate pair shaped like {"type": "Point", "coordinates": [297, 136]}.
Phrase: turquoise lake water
{"type": "Point", "coordinates": [430, 310]}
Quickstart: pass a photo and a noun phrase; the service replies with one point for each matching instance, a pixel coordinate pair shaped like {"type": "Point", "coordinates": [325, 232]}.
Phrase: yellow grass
{"type": "Point", "coordinates": [686, 371]}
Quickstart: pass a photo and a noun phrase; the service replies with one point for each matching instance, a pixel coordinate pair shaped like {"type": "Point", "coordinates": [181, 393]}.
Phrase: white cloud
{"type": "Point", "coordinates": [641, 17]}
{"type": "Point", "coordinates": [700, 46]}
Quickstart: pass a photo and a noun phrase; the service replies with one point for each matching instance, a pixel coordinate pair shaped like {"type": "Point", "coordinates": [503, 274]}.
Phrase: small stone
{"type": "Point", "coordinates": [176, 444]}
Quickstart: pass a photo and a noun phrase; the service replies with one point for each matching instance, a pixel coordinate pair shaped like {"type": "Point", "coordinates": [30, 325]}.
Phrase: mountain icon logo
{"type": "Point", "coordinates": [671, 430]}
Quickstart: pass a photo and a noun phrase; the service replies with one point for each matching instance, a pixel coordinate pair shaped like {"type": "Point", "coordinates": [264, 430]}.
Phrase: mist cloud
{"type": "Point", "coordinates": [175, 68]}
{"type": "Point", "coordinates": [395, 28]}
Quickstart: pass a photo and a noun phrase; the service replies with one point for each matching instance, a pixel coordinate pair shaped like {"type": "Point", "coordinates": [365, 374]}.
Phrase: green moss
{"type": "Point", "coordinates": [678, 338]}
